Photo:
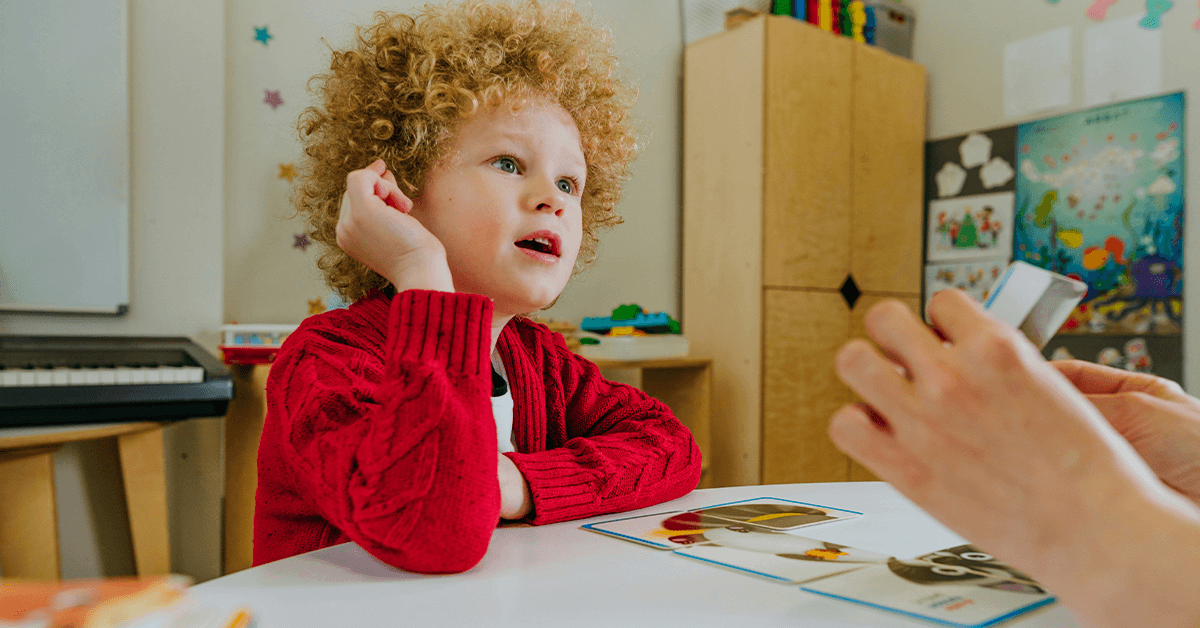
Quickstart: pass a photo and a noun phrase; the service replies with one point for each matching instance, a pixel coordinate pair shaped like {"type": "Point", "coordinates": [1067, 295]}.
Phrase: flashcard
{"type": "Point", "coordinates": [777, 555]}
{"type": "Point", "coordinates": [960, 586]}
{"type": "Point", "coordinates": [1034, 300]}
{"type": "Point", "coordinates": [774, 514]}
{"type": "Point", "coordinates": [664, 530]}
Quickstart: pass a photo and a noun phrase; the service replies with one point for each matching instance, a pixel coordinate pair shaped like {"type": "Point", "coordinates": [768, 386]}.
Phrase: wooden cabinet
{"type": "Point", "coordinates": [803, 158]}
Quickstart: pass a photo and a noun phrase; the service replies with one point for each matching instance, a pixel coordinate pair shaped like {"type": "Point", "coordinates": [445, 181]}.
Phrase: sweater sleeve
{"type": "Point", "coordinates": [404, 461]}
{"type": "Point", "coordinates": [623, 449]}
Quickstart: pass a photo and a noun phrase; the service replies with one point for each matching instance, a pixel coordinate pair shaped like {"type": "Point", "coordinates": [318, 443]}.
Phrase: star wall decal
{"type": "Point", "coordinates": [273, 98]}
{"type": "Point", "coordinates": [316, 306]}
{"type": "Point", "coordinates": [301, 241]}
{"type": "Point", "coordinates": [261, 34]}
{"type": "Point", "coordinates": [287, 171]}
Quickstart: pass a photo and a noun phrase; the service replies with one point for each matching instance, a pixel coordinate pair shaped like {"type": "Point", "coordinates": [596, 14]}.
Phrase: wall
{"type": "Point", "coordinates": [268, 280]}
{"type": "Point", "coordinates": [177, 79]}
{"type": "Point", "coordinates": [961, 42]}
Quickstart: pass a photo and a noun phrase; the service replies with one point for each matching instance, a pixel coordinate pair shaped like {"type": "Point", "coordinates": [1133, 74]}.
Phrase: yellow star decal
{"type": "Point", "coordinates": [316, 306]}
{"type": "Point", "coordinates": [287, 171]}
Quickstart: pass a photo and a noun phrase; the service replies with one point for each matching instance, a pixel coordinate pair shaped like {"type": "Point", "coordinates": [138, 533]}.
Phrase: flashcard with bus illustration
{"type": "Point", "coordinates": [1100, 198]}
{"type": "Point", "coordinates": [970, 227]}
{"type": "Point", "coordinates": [671, 530]}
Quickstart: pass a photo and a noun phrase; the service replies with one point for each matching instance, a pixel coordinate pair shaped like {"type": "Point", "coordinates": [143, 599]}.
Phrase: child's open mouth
{"type": "Point", "coordinates": [544, 242]}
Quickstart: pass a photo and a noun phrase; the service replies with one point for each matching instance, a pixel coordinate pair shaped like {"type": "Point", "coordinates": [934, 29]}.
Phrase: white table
{"type": "Point", "coordinates": [560, 575]}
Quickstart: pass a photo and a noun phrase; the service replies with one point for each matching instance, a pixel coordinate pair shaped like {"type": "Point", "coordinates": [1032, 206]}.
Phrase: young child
{"type": "Point", "coordinates": [458, 168]}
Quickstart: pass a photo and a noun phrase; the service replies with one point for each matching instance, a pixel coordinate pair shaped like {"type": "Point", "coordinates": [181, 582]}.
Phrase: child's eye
{"type": "Point", "coordinates": [567, 185]}
{"type": "Point", "coordinates": [507, 164]}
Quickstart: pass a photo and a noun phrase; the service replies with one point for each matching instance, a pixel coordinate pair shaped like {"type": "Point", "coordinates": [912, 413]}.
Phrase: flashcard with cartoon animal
{"type": "Point", "coordinates": [959, 586]}
{"type": "Point", "coordinates": [1100, 199]}
{"type": "Point", "coordinates": [970, 227]}
{"type": "Point", "coordinates": [777, 555]}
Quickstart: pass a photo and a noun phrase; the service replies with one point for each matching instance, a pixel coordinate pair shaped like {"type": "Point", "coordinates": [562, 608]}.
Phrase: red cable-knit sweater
{"type": "Point", "coordinates": [379, 430]}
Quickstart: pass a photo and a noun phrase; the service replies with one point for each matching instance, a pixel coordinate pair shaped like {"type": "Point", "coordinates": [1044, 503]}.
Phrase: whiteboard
{"type": "Point", "coordinates": [64, 156]}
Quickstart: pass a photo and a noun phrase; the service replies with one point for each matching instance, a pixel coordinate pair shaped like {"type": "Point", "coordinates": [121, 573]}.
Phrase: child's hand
{"type": "Point", "coordinates": [374, 228]}
{"type": "Point", "coordinates": [515, 500]}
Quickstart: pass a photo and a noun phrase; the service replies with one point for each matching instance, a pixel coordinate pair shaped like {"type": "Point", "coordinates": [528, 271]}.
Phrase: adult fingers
{"type": "Point", "coordinates": [1095, 379]}
{"type": "Point", "coordinates": [873, 377]}
{"type": "Point", "coordinates": [902, 336]}
{"type": "Point", "coordinates": [957, 316]}
{"type": "Point", "coordinates": [863, 435]}
{"type": "Point", "coordinates": [1134, 412]}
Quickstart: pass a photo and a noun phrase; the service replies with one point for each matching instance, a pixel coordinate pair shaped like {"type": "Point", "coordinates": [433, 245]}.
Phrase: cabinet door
{"type": "Point", "coordinates": [803, 331]}
{"type": "Point", "coordinates": [858, 329]}
{"type": "Point", "coordinates": [889, 160]}
{"type": "Point", "coordinates": [806, 182]}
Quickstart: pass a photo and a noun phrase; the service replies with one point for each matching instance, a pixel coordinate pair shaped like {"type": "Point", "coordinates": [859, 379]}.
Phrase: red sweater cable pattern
{"type": "Point", "coordinates": [379, 430]}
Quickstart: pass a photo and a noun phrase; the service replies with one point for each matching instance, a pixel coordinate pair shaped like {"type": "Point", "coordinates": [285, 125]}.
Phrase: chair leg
{"type": "Point", "coordinates": [144, 472]}
{"type": "Point", "coordinates": [28, 515]}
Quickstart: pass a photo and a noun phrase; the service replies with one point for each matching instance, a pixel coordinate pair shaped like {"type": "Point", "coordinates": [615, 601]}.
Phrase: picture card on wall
{"type": "Point", "coordinates": [1121, 60]}
{"type": "Point", "coordinates": [980, 162]}
{"type": "Point", "coordinates": [974, 278]}
{"type": "Point", "coordinates": [1037, 73]}
{"type": "Point", "coordinates": [970, 228]}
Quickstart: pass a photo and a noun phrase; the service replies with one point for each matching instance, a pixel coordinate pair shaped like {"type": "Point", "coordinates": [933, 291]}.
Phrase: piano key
{"type": "Point", "coordinates": [43, 377]}
{"type": "Point", "coordinates": [62, 376]}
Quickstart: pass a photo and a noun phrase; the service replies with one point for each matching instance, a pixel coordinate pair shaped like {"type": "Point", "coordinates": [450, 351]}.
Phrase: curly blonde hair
{"type": "Point", "coordinates": [407, 82]}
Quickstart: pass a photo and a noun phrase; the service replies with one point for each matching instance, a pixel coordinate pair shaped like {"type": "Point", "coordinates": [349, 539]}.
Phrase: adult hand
{"type": "Point", "coordinates": [515, 498]}
{"type": "Point", "coordinates": [374, 228]}
{"type": "Point", "coordinates": [1154, 414]}
{"type": "Point", "coordinates": [970, 423]}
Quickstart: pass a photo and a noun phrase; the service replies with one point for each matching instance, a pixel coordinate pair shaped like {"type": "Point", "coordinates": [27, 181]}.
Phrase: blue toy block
{"type": "Point", "coordinates": [657, 322]}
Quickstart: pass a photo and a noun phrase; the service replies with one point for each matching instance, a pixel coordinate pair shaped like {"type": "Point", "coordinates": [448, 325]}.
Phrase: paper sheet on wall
{"type": "Point", "coordinates": [1037, 73]}
{"type": "Point", "coordinates": [1121, 61]}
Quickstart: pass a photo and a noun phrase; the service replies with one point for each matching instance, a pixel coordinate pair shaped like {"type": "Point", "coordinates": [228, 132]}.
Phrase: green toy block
{"type": "Point", "coordinates": [626, 312]}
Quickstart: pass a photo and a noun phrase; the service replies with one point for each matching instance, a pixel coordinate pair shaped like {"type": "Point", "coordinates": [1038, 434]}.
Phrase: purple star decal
{"type": "Point", "coordinates": [301, 241]}
{"type": "Point", "coordinates": [261, 34]}
{"type": "Point", "coordinates": [273, 98]}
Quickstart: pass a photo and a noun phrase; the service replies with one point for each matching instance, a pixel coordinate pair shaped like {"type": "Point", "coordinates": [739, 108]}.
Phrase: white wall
{"type": "Point", "coordinates": [961, 42]}
{"type": "Point", "coordinates": [177, 80]}
{"type": "Point", "coordinates": [269, 281]}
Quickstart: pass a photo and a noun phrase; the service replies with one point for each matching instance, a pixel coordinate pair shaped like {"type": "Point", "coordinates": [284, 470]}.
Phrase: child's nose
{"type": "Point", "coordinates": [547, 197]}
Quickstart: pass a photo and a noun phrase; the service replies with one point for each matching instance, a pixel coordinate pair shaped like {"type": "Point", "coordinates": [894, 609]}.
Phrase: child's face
{"type": "Point", "coordinates": [505, 203]}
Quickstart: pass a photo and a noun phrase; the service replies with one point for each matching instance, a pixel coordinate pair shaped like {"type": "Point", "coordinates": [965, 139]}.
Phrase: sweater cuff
{"type": "Point", "coordinates": [449, 328]}
{"type": "Point", "coordinates": [560, 489]}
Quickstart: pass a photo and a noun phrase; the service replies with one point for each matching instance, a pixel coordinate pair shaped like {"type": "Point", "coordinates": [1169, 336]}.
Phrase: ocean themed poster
{"type": "Point", "coordinates": [1100, 198]}
{"type": "Point", "coordinates": [970, 227]}
{"type": "Point", "coordinates": [974, 278]}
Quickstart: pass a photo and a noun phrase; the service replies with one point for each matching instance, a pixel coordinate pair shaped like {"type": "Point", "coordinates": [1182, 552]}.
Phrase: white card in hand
{"type": "Point", "coordinates": [1034, 300]}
